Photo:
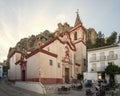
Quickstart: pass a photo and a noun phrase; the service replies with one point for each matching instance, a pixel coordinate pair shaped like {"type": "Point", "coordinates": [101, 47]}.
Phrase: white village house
{"type": "Point", "coordinates": [98, 59]}
{"type": "Point", "coordinates": [57, 61]}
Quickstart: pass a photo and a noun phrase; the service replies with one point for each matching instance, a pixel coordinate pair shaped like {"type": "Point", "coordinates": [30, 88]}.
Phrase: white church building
{"type": "Point", "coordinates": [57, 61]}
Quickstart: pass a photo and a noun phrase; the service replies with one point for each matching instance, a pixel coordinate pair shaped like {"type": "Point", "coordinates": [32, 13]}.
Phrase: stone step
{"type": "Point", "coordinates": [50, 89]}
{"type": "Point", "coordinates": [53, 88]}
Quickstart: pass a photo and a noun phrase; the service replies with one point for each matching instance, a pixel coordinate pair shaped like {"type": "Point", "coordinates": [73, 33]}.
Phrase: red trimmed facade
{"type": "Point", "coordinates": [56, 65]}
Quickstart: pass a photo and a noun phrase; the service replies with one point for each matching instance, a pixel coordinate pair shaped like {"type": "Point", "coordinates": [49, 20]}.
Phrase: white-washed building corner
{"type": "Point", "coordinates": [98, 59]}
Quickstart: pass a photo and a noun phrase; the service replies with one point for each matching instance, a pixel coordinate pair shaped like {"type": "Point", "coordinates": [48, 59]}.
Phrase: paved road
{"type": "Point", "coordinates": [72, 93]}
{"type": "Point", "coordinates": [7, 89]}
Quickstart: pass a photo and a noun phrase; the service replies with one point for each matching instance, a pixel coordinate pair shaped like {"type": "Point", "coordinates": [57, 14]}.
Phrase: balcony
{"type": "Point", "coordinates": [98, 69]}
{"type": "Point", "coordinates": [93, 59]}
{"type": "Point", "coordinates": [102, 58]}
{"type": "Point", "coordinates": [98, 59]}
{"type": "Point", "coordinates": [112, 57]}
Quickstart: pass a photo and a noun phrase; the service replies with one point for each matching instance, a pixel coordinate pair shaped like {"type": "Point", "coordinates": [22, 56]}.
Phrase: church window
{"type": "Point", "coordinates": [75, 36]}
{"type": "Point", "coordinates": [51, 62]}
{"type": "Point", "coordinates": [58, 65]}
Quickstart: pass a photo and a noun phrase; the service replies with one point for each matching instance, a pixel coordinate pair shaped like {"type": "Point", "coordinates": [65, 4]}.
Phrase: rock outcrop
{"type": "Point", "coordinates": [91, 35]}
{"type": "Point", "coordinates": [31, 43]}
{"type": "Point", "coordinates": [62, 28]}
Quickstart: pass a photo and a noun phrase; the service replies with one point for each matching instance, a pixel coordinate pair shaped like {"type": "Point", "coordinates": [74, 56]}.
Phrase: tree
{"type": "Point", "coordinates": [112, 70]}
{"type": "Point", "coordinates": [100, 41]}
{"type": "Point", "coordinates": [5, 69]}
{"type": "Point", "coordinates": [79, 76]}
{"type": "Point", "coordinates": [112, 38]}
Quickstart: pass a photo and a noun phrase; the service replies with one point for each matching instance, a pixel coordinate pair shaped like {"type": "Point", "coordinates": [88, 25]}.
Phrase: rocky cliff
{"type": "Point", "coordinates": [91, 35]}
{"type": "Point", "coordinates": [31, 43]}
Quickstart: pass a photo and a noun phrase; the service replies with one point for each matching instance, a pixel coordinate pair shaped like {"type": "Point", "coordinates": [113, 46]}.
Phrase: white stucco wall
{"type": "Point", "coordinates": [80, 55]}
{"type": "Point", "coordinates": [18, 72]}
{"type": "Point", "coordinates": [117, 79]}
{"type": "Point", "coordinates": [47, 70]}
{"type": "Point", "coordinates": [12, 68]}
{"type": "Point", "coordinates": [60, 56]}
{"type": "Point", "coordinates": [13, 71]}
{"type": "Point", "coordinates": [106, 51]}
{"type": "Point", "coordinates": [52, 47]}
{"type": "Point", "coordinates": [90, 76]}
{"type": "Point", "coordinates": [33, 66]}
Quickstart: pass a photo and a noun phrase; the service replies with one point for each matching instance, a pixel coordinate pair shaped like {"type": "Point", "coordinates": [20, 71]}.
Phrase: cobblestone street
{"type": "Point", "coordinates": [8, 89]}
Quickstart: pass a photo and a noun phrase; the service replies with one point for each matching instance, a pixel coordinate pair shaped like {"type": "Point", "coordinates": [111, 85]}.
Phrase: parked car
{"type": "Point", "coordinates": [88, 83]}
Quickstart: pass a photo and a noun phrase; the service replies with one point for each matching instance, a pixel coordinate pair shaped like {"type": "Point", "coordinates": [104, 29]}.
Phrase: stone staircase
{"type": "Point", "coordinates": [53, 88]}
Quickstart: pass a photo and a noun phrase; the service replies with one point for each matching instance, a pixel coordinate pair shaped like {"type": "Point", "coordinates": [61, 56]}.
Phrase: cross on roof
{"type": "Point", "coordinates": [77, 12]}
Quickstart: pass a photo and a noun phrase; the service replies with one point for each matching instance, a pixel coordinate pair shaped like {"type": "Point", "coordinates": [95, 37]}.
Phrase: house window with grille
{"type": "Point", "coordinates": [102, 56]}
{"type": "Point", "coordinates": [111, 55]}
{"type": "Point", "coordinates": [51, 62]}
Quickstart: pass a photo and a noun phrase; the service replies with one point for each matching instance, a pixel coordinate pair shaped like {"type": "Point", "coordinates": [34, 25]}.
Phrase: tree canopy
{"type": "Point", "coordinates": [112, 38]}
{"type": "Point", "coordinates": [102, 41]}
{"type": "Point", "coordinates": [112, 69]}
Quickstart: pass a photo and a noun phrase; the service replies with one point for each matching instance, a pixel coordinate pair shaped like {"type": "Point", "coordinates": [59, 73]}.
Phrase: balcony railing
{"type": "Point", "coordinates": [104, 58]}
{"type": "Point", "coordinates": [112, 57]}
{"type": "Point", "coordinates": [100, 58]}
{"type": "Point", "coordinates": [98, 69]}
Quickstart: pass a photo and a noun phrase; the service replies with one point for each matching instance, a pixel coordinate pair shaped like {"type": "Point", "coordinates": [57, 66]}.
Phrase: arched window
{"type": "Point", "coordinates": [75, 36]}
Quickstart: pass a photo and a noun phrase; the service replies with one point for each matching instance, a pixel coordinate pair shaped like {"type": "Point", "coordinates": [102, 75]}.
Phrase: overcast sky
{"type": "Point", "coordinates": [22, 18]}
